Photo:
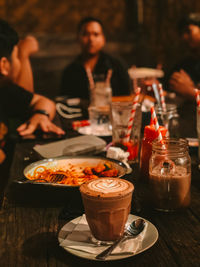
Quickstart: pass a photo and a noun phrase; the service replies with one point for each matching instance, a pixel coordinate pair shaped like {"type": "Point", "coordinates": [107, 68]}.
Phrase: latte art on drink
{"type": "Point", "coordinates": [108, 185]}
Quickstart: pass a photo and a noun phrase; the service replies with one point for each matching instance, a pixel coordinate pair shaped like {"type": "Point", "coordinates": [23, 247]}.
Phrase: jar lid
{"type": "Point", "coordinates": [150, 132]}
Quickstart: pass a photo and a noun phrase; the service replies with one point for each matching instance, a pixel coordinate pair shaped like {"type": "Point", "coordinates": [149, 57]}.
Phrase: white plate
{"type": "Point", "coordinates": [65, 163]}
{"type": "Point", "coordinates": [136, 73]}
{"type": "Point", "coordinates": [100, 131]}
{"type": "Point", "coordinates": [149, 240]}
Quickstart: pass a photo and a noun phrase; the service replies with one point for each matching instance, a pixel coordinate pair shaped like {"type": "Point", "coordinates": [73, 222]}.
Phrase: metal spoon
{"type": "Point", "coordinates": [133, 230]}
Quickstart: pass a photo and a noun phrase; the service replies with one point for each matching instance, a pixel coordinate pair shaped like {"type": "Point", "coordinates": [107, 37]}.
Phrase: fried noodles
{"type": "Point", "coordinates": [72, 177]}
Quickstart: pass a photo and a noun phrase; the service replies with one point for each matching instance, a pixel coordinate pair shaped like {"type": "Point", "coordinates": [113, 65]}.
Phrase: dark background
{"type": "Point", "coordinates": [140, 32]}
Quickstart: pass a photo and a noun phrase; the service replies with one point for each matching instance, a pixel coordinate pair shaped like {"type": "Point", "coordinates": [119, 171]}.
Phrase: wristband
{"type": "Point", "coordinates": [41, 111]}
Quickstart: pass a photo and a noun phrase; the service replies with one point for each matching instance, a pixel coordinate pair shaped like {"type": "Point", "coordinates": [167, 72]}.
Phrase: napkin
{"type": "Point", "coordinates": [71, 146]}
{"type": "Point", "coordinates": [80, 238]}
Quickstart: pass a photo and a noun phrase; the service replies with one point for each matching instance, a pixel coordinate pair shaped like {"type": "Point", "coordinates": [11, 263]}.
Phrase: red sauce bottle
{"type": "Point", "coordinates": [146, 149]}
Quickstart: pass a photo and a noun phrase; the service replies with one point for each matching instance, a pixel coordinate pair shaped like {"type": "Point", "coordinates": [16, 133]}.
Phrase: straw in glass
{"type": "Point", "coordinates": [162, 98]}
{"type": "Point", "coordinates": [90, 78]}
{"type": "Point", "coordinates": [156, 93]}
{"type": "Point", "coordinates": [156, 125]}
{"type": "Point", "coordinates": [132, 116]}
{"type": "Point", "coordinates": [108, 78]}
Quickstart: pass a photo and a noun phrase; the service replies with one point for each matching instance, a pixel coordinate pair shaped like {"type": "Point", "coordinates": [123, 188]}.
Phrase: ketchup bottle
{"type": "Point", "coordinates": [146, 149]}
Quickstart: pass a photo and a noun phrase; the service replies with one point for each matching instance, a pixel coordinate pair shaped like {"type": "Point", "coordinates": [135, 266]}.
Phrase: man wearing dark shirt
{"type": "Point", "coordinates": [186, 74]}
{"type": "Point", "coordinates": [75, 82]}
{"type": "Point", "coordinates": [15, 102]}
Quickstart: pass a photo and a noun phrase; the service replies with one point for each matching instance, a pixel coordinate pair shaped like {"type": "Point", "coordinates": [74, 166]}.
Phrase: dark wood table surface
{"type": "Point", "coordinates": [32, 215]}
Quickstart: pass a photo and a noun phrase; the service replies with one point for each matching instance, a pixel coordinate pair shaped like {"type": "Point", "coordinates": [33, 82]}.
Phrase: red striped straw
{"type": "Point", "coordinates": [108, 78]}
{"type": "Point", "coordinates": [90, 78]}
{"type": "Point", "coordinates": [162, 98]}
{"type": "Point", "coordinates": [197, 94]}
{"type": "Point", "coordinates": [132, 116]}
{"type": "Point", "coordinates": [156, 125]}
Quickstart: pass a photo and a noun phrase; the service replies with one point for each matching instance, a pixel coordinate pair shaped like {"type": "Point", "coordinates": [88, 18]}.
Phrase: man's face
{"type": "Point", "coordinates": [191, 36]}
{"type": "Point", "coordinates": [91, 38]}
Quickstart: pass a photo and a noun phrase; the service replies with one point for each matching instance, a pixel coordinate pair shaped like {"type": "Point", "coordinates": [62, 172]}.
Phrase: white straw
{"type": "Point", "coordinates": [162, 98]}
{"type": "Point", "coordinates": [108, 78]}
{"type": "Point", "coordinates": [90, 78]}
{"type": "Point", "coordinates": [156, 125]}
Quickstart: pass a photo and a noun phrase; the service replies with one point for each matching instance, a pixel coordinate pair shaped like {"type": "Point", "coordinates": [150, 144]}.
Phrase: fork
{"type": "Point", "coordinates": [56, 177]}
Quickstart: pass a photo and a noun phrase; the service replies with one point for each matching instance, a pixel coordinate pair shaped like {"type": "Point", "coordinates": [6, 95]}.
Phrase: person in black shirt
{"type": "Point", "coordinates": [186, 73]}
{"type": "Point", "coordinates": [15, 102]}
{"type": "Point", "coordinates": [74, 81]}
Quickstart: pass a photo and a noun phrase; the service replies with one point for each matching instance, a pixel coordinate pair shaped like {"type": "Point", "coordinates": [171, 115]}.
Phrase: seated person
{"type": "Point", "coordinates": [15, 102]}
{"type": "Point", "coordinates": [186, 74]}
{"type": "Point", "coordinates": [91, 38]}
{"type": "Point", "coordinates": [26, 47]}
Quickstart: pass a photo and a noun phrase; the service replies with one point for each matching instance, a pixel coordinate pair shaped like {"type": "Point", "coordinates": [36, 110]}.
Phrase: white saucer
{"type": "Point", "coordinates": [149, 240]}
{"type": "Point", "coordinates": [99, 131]}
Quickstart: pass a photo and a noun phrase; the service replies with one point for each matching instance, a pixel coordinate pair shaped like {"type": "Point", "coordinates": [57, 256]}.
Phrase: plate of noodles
{"type": "Point", "coordinates": [68, 171]}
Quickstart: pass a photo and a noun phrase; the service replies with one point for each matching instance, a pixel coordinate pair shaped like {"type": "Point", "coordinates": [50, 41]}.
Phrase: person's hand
{"type": "Point", "coordinates": [181, 83]}
{"type": "Point", "coordinates": [39, 121]}
{"type": "Point", "coordinates": [28, 46]}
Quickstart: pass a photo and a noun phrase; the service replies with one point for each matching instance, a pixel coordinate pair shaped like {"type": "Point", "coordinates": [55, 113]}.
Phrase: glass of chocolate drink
{"type": "Point", "coordinates": [107, 204]}
{"type": "Point", "coordinates": [170, 174]}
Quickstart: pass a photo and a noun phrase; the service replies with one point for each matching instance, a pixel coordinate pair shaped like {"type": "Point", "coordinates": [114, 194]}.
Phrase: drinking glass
{"type": "Point", "coordinates": [170, 174]}
{"type": "Point", "coordinates": [99, 117]}
{"type": "Point", "coordinates": [107, 204]}
{"type": "Point", "coordinates": [121, 112]}
{"type": "Point", "coordinates": [169, 118]}
{"type": "Point", "coordinates": [101, 94]}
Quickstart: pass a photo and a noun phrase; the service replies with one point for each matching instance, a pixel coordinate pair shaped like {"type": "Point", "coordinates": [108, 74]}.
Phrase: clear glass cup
{"type": "Point", "coordinates": [101, 94]}
{"type": "Point", "coordinates": [99, 117]}
{"type": "Point", "coordinates": [99, 109]}
{"type": "Point", "coordinates": [170, 175]}
{"type": "Point", "coordinates": [120, 114]}
{"type": "Point", "coordinates": [169, 119]}
{"type": "Point", "coordinates": [107, 204]}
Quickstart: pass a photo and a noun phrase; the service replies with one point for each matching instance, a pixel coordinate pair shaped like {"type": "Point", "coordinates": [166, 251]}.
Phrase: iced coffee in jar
{"type": "Point", "coordinates": [170, 175]}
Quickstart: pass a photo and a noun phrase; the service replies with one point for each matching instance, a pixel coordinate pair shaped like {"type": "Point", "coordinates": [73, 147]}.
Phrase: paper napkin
{"type": "Point", "coordinates": [80, 238]}
{"type": "Point", "coordinates": [71, 146]}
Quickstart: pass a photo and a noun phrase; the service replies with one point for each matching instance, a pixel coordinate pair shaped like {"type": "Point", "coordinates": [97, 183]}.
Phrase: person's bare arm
{"type": "Point", "coordinates": [42, 102]}
{"type": "Point", "coordinates": [181, 83]}
{"type": "Point", "coordinates": [27, 47]}
{"type": "Point", "coordinates": [40, 121]}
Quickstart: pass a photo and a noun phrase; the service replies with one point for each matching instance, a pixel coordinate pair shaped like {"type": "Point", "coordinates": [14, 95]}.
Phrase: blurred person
{"type": "Point", "coordinates": [26, 47]}
{"type": "Point", "coordinates": [92, 40]}
{"type": "Point", "coordinates": [186, 74]}
{"type": "Point", "coordinates": [15, 102]}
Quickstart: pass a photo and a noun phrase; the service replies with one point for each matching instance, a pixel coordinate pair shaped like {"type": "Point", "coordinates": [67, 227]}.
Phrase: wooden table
{"type": "Point", "coordinates": [32, 215]}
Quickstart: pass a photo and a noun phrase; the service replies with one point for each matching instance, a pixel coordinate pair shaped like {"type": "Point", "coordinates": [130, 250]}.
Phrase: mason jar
{"type": "Point", "coordinates": [169, 118]}
{"type": "Point", "coordinates": [170, 174]}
